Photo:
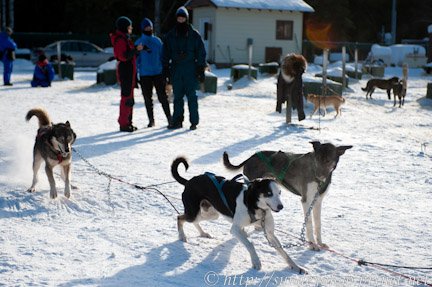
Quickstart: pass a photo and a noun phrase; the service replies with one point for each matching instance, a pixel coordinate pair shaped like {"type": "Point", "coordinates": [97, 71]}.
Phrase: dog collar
{"type": "Point", "coordinates": [59, 157]}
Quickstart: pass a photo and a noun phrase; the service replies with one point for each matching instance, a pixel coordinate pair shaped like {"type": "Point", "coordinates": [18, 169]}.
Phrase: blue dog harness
{"type": "Point", "coordinates": [219, 186]}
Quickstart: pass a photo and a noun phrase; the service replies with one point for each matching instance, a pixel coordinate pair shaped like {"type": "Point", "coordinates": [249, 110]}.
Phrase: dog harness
{"type": "Point", "coordinates": [219, 186]}
{"type": "Point", "coordinates": [322, 185]}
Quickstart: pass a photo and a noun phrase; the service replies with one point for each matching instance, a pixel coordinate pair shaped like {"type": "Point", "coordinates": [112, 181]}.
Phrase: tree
{"type": "Point", "coordinates": [11, 14]}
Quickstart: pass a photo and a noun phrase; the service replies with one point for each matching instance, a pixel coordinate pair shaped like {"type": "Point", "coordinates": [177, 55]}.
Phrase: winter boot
{"type": "Point", "coordinates": [166, 109]}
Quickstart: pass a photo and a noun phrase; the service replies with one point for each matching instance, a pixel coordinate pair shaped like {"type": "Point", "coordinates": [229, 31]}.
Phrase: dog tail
{"type": "Point", "coordinates": [229, 165]}
{"type": "Point", "coordinates": [41, 114]}
{"type": "Point", "coordinates": [174, 169]}
{"type": "Point", "coordinates": [364, 89]}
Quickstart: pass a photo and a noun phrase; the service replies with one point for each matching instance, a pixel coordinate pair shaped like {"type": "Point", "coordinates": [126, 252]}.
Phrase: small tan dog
{"type": "Point", "coordinates": [326, 101]}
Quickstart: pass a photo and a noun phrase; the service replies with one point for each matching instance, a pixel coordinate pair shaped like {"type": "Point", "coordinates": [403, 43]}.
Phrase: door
{"type": "Point", "coordinates": [205, 29]}
{"type": "Point", "coordinates": [71, 48]}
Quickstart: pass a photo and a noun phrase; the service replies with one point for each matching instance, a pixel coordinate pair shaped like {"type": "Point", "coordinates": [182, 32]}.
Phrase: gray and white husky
{"type": "Point", "coordinates": [54, 146]}
{"type": "Point", "coordinates": [302, 174]}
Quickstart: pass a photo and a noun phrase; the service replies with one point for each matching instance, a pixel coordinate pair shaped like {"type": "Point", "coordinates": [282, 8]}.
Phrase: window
{"type": "Point", "coordinates": [70, 46]}
{"type": "Point", "coordinates": [284, 30]}
{"type": "Point", "coordinates": [87, 47]}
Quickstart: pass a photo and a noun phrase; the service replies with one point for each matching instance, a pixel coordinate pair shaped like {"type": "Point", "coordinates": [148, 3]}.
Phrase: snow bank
{"type": "Point", "coordinates": [111, 65]}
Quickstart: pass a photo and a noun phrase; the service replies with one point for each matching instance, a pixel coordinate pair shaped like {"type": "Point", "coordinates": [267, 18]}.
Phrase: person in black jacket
{"type": "Point", "coordinates": [184, 61]}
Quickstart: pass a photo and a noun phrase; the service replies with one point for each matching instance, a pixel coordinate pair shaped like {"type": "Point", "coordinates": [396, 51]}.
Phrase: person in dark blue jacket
{"type": "Point", "coordinates": [7, 54]}
{"type": "Point", "coordinates": [149, 66]}
{"type": "Point", "coordinates": [184, 60]}
{"type": "Point", "coordinates": [43, 73]}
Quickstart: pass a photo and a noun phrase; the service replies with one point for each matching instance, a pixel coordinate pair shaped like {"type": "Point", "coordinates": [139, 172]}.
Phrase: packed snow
{"type": "Point", "coordinates": [110, 233]}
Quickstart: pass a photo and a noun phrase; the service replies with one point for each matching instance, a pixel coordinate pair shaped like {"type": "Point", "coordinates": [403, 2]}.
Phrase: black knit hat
{"type": "Point", "coordinates": [182, 11]}
{"type": "Point", "coordinates": [122, 23]}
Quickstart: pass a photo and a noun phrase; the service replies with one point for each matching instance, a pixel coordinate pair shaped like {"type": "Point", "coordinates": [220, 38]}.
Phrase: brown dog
{"type": "Point", "coordinates": [381, 84]}
{"type": "Point", "coordinates": [326, 101]}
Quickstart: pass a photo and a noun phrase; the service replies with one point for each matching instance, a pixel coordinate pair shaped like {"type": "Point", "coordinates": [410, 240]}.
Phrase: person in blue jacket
{"type": "Point", "coordinates": [184, 60]}
{"type": "Point", "coordinates": [43, 73]}
{"type": "Point", "coordinates": [149, 66]}
{"type": "Point", "coordinates": [7, 54]}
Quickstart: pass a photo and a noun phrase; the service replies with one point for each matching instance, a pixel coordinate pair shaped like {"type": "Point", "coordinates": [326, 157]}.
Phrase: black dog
{"type": "Point", "coordinates": [400, 92]}
{"type": "Point", "coordinates": [381, 84]}
{"type": "Point", "coordinates": [207, 195]}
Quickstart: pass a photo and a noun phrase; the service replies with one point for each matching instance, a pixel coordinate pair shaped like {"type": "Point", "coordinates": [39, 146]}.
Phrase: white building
{"type": "Point", "coordinates": [274, 27]}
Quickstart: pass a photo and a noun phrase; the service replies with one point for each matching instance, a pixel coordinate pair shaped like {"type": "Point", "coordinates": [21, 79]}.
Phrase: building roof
{"type": "Point", "coordinates": [284, 5]}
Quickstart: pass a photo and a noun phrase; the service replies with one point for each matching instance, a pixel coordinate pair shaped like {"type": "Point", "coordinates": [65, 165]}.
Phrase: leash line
{"type": "Point", "coordinates": [380, 266]}
{"type": "Point", "coordinates": [110, 177]}
{"type": "Point", "coordinates": [364, 262]}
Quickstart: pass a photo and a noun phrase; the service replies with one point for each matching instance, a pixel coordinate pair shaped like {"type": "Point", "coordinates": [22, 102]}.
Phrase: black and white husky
{"type": "Point", "coordinates": [242, 204]}
{"type": "Point", "coordinates": [53, 145]}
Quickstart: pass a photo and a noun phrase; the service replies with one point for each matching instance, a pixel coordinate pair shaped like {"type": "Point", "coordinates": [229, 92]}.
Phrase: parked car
{"type": "Point", "coordinates": [82, 53]}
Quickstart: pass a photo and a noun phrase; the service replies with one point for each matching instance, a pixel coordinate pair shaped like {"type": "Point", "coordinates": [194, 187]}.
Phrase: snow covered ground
{"type": "Point", "coordinates": [378, 207]}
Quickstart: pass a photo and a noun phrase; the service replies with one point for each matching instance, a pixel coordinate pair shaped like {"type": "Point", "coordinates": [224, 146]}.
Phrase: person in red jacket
{"type": "Point", "coordinates": [125, 53]}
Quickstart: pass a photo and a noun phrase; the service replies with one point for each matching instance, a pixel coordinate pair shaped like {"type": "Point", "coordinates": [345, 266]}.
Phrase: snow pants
{"type": "Point", "coordinates": [7, 70]}
{"type": "Point", "coordinates": [126, 76]}
{"type": "Point", "coordinates": [184, 84]}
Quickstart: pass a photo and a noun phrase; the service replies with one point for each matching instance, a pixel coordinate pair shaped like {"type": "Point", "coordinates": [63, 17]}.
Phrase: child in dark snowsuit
{"type": "Point", "coordinates": [43, 73]}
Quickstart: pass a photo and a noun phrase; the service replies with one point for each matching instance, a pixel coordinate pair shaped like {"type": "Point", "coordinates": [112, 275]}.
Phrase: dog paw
{"type": "Point", "coordinates": [314, 247]}
{"type": "Point", "coordinates": [256, 265]}
{"type": "Point", "coordinates": [31, 189]}
{"type": "Point", "coordinates": [302, 271]}
{"type": "Point", "coordinates": [323, 245]}
{"type": "Point", "coordinates": [67, 192]}
{"type": "Point", "coordinates": [53, 194]}
{"type": "Point", "coordinates": [205, 235]}
{"type": "Point", "coordinates": [183, 238]}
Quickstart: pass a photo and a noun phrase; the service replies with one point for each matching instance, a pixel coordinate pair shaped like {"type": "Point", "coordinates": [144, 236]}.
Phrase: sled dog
{"type": "Point", "coordinates": [400, 92]}
{"type": "Point", "coordinates": [206, 196]}
{"type": "Point", "coordinates": [302, 174]}
{"type": "Point", "coordinates": [326, 101]}
{"type": "Point", "coordinates": [53, 145]}
{"type": "Point", "coordinates": [381, 84]}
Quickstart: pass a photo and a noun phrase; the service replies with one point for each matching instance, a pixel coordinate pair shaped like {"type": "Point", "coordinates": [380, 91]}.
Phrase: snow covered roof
{"type": "Point", "coordinates": [286, 5]}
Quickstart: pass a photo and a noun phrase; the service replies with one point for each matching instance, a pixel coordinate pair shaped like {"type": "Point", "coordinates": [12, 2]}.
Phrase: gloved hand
{"type": "Point", "coordinates": [166, 74]}
{"type": "Point", "coordinates": [200, 74]}
{"type": "Point", "coordinates": [147, 49]}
